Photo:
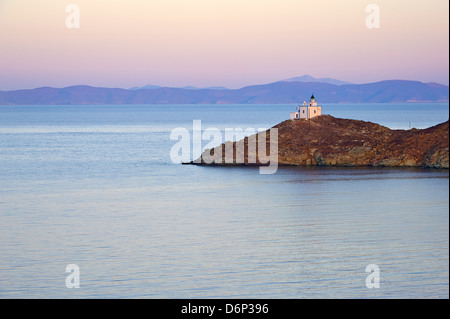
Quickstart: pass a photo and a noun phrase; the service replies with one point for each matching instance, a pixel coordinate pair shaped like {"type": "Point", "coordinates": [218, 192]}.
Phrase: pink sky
{"type": "Point", "coordinates": [229, 43]}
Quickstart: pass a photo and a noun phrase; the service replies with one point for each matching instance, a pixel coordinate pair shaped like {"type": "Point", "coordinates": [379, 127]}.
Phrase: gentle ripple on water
{"type": "Point", "coordinates": [108, 199]}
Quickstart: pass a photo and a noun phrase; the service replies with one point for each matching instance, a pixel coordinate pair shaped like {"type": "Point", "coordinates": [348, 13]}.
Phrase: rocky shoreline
{"type": "Point", "coordinates": [329, 141]}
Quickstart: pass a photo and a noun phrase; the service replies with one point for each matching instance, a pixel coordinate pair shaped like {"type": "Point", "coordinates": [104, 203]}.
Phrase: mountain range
{"type": "Point", "coordinates": [293, 90]}
{"type": "Point", "coordinates": [303, 78]}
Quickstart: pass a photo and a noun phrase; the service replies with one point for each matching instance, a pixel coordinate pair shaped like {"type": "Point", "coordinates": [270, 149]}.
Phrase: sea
{"type": "Point", "coordinates": [92, 205]}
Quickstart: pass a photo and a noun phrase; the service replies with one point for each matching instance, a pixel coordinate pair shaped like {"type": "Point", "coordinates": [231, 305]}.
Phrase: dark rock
{"type": "Point", "coordinates": [329, 141]}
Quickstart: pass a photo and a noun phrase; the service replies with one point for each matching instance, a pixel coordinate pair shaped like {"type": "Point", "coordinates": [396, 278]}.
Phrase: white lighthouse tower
{"type": "Point", "coordinates": [307, 111]}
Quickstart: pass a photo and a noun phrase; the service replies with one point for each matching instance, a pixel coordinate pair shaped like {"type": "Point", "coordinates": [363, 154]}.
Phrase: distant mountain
{"type": "Point", "coordinates": [208, 88]}
{"type": "Point", "coordinates": [309, 78]}
{"type": "Point", "coordinates": [152, 87]}
{"type": "Point", "coordinates": [273, 93]}
{"type": "Point", "coordinates": [217, 88]}
{"type": "Point", "coordinates": [146, 87]}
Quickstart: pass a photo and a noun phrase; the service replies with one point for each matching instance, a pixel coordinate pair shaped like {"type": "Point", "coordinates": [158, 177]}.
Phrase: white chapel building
{"type": "Point", "coordinates": [307, 111]}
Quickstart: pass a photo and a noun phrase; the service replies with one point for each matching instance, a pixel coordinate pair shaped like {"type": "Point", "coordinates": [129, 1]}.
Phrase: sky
{"type": "Point", "coordinates": [231, 43]}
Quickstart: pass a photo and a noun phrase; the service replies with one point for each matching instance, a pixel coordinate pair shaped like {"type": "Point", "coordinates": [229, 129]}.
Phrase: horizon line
{"type": "Point", "coordinates": [219, 88]}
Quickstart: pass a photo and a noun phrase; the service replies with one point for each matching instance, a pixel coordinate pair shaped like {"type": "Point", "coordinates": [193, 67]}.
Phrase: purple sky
{"type": "Point", "coordinates": [219, 43]}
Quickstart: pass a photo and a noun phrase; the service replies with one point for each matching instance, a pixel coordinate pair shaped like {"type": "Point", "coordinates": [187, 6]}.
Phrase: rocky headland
{"type": "Point", "coordinates": [329, 141]}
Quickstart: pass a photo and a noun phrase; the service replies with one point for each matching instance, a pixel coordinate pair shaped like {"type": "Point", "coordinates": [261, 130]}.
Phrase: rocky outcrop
{"type": "Point", "coordinates": [329, 141]}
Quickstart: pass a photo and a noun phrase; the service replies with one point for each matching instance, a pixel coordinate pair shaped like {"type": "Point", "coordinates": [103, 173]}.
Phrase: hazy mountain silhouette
{"type": "Point", "coordinates": [309, 78]}
{"type": "Point", "coordinates": [146, 87]}
{"type": "Point", "coordinates": [277, 92]}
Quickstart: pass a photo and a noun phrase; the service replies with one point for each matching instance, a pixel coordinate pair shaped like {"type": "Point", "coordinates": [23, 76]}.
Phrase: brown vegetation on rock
{"type": "Point", "coordinates": [329, 141]}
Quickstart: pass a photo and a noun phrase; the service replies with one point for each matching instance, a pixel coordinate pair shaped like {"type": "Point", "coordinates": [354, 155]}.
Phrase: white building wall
{"type": "Point", "coordinates": [293, 115]}
{"type": "Point", "coordinates": [307, 111]}
{"type": "Point", "coordinates": [303, 112]}
{"type": "Point", "coordinates": [313, 111]}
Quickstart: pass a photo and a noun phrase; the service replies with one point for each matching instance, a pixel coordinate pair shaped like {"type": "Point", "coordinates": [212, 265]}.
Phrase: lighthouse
{"type": "Point", "coordinates": [307, 110]}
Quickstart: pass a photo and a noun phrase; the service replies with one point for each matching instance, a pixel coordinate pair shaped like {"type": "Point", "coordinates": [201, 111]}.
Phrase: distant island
{"type": "Point", "coordinates": [329, 141]}
{"type": "Point", "coordinates": [282, 92]}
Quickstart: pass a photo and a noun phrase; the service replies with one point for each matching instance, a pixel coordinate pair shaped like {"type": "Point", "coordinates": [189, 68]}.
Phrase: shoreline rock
{"type": "Point", "coordinates": [329, 141]}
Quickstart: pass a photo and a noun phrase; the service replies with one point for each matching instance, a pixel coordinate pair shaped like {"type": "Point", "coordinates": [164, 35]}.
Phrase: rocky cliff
{"type": "Point", "coordinates": [329, 141]}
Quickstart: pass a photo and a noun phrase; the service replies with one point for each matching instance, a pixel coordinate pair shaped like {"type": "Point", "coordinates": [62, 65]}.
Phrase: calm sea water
{"type": "Point", "coordinates": [94, 186]}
